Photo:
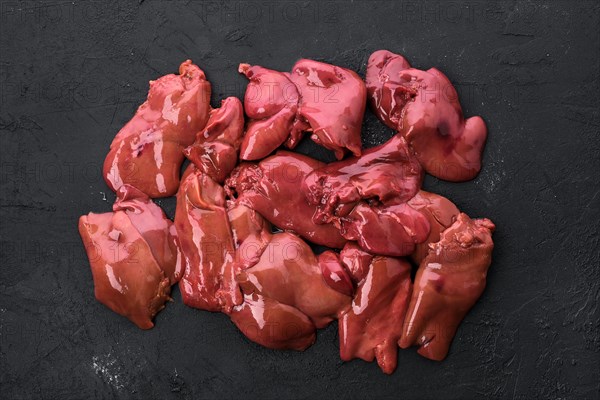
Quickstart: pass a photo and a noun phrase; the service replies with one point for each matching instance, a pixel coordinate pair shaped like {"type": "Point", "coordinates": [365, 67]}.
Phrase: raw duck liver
{"type": "Point", "coordinates": [324, 99]}
{"type": "Point", "coordinates": [201, 216]}
{"type": "Point", "coordinates": [272, 188]}
{"type": "Point", "coordinates": [423, 106]}
{"type": "Point", "coordinates": [208, 282]}
{"type": "Point", "coordinates": [221, 247]}
{"type": "Point", "coordinates": [372, 326]}
{"type": "Point", "coordinates": [389, 174]}
{"type": "Point", "coordinates": [334, 274]}
{"type": "Point", "coordinates": [393, 230]}
{"type": "Point", "coordinates": [439, 211]}
{"type": "Point", "coordinates": [273, 324]}
{"type": "Point", "coordinates": [215, 150]}
{"type": "Point", "coordinates": [288, 271]}
{"type": "Point", "coordinates": [365, 197]}
{"type": "Point", "coordinates": [147, 151]}
{"type": "Point", "coordinates": [449, 281]}
{"type": "Point", "coordinates": [134, 256]}
{"type": "Point", "coordinates": [261, 319]}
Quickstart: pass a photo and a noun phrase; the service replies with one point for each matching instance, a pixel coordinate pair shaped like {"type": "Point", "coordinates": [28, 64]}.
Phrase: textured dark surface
{"type": "Point", "coordinates": [72, 73]}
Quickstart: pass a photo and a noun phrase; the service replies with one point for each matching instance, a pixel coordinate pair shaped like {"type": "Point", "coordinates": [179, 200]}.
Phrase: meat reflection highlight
{"type": "Point", "coordinates": [272, 188]}
{"type": "Point", "coordinates": [423, 107]}
{"type": "Point", "coordinates": [241, 239]}
{"type": "Point", "coordinates": [134, 256]}
{"type": "Point", "coordinates": [449, 281]}
{"type": "Point", "coordinates": [147, 151]}
{"type": "Point", "coordinates": [326, 100]}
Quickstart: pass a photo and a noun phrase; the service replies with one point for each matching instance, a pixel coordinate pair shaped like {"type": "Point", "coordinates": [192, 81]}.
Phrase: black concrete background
{"type": "Point", "coordinates": [72, 73]}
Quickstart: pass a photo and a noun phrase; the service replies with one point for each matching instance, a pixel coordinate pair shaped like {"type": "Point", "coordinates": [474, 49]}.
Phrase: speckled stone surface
{"type": "Point", "coordinates": [72, 73]}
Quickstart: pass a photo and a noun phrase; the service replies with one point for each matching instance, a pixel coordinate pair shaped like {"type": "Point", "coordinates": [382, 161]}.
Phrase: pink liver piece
{"type": "Point", "coordinates": [208, 282]}
{"type": "Point", "coordinates": [284, 293]}
{"type": "Point", "coordinates": [387, 174]}
{"type": "Point", "coordinates": [251, 234]}
{"type": "Point", "coordinates": [334, 273]}
{"type": "Point", "coordinates": [365, 198]}
{"type": "Point", "coordinates": [154, 226]}
{"type": "Point", "coordinates": [215, 150]}
{"type": "Point", "coordinates": [356, 261]}
{"type": "Point", "coordinates": [147, 151]}
{"type": "Point", "coordinates": [273, 324]}
{"type": "Point", "coordinates": [323, 99]}
{"type": "Point", "coordinates": [449, 281]}
{"type": "Point", "coordinates": [424, 107]}
{"type": "Point", "coordinates": [288, 272]}
{"type": "Point", "coordinates": [440, 213]}
{"type": "Point", "coordinates": [272, 188]}
{"type": "Point", "coordinates": [134, 256]}
{"type": "Point", "coordinates": [271, 104]}
{"type": "Point", "coordinates": [367, 208]}
{"type": "Point", "coordinates": [332, 103]}
{"type": "Point", "coordinates": [372, 326]}
{"type": "Point", "coordinates": [201, 217]}
{"type": "Point", "coordinates": [393, 230]}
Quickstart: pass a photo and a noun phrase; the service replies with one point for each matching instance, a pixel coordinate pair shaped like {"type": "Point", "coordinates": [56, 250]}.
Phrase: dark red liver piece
{"type": "Point", "coordinates": [284, 293]}
{"type": "Point", "coordinates": [440, 213]}
{"type": "Point", "coordinates": [372, 326]}
{"type": "Point", "coordinates": [147, 151]}
{"type": "Point", "coordinates": [320, 98]}
{"type": "Point", "coordinates": [271, 103]}
{"type": "Point", "coordinates": [424, 107]}
{"type": "Point", "coordinates": [288, 272]}
{"type": "Point", "coordinates": [389, 174]}
{"type": "Point", "coordinates": [334, 273]}
{"type": "Point", "coordinates": [215, 150]}
{"type": "Point", "coordinates": [356, 261]}
{"type": "Point", "coordinates": [393, 230]}
{"type": "Point", "coordinates": [272, 188]}
{"type": "Point", "coordinates": [207, 245]}
{"type": "Point", "coordinates": [272, 324]}
{"type": "Point", "coordinates": [449, 281]}
{"type": "Point", "coordinates": [332, 104]}
{"type": "Point", "coordinates": [134, 256]}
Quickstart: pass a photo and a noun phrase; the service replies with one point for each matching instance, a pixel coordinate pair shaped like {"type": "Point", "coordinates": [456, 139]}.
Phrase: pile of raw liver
{"type": "Point", "coordinates": [246, 209]}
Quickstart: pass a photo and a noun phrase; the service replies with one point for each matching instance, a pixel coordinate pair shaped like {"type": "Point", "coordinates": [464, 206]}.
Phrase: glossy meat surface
{"type": "Point", "coordinates": [389, 174]}
{"type": "Point", "coordinates": [134, 256]}
{"type": "Point", "coordinates": [288, 272]}
{"type": "Point", "coordinates": [263, 319]}
{"type": "Point", "coordinates": [332, 103]}
{"type": "Point", "coordinates": [424, 107]}
{"type": "Point", "coordinates": [365, 198]}
{"type": "Point", "coordinates": [334, 273]}
{"type": "Point", "coordinates": [207, 245]}
{"type": "Point", "coordinates": [320, 98]}
{"type": "Point", "coordinates": [215, 150]}
{"type": "Point", "coordinates": [147, 151]}
{"type": "Point", "coordinates": [251, 235]}
{"type": "Point", "coordinates": [271, 103]}
{"type": "Point", "coordinates": [154, 226]}
{"type": "Point", "coordinates": [448, 283]}
{"type": "Point", "coordinates": [273, 324]}
{"type": "Point", "coordinates": [393, 230]}
{"type": "Point", "coordinates": [272, 188]}
{"type": "Point", "coordinates": [355, 261]}
{"type": "Point", "coordinates": [372, 326]}
{"type": "Point", "coordinates": [440, 213]}
{"type": "Point", "coordinates": [368, 209]}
